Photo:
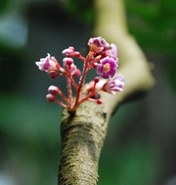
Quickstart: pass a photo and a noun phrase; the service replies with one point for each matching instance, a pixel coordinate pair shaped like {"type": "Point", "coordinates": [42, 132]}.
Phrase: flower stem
{"type": "Point", "coordinates": [61, 103]}
{"type": "Point", "coordinates": [69, 88]}
{"type": "Point", "coordinates": [81, 83]}
{"type": "Point", "coordinates": [61, 94]}
{"type": "Point", "coordinates": [92, 93]}
{"type": "Point", "coordinates": [75, 85]}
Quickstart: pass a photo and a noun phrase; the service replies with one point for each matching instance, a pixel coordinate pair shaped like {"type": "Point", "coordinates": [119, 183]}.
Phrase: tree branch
{"type": "Point", "coordinates": [83, 133]}
{"type": "Point", "coordinates": [111, 24]}
{"type": "Point", "coordinates": [82, 138]}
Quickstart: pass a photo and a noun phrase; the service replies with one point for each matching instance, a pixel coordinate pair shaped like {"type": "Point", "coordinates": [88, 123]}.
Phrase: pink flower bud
{"type": "Point", "coordinates": [53, 90]}
{"type": "Point", "coordinates": [96, 79]}
{"type": "Point", "coordinates": [76, 73]}
{"type": "Point", "coordinates": [70, 52]}
{"type": "Point", "coordinates": [50, 97]}
{"type": "Point", "coordinates": [68, 65]}
{"type": "Point", "coordinates": [94, 64]}
{"type": "Point", "coordinates": [67, 62]}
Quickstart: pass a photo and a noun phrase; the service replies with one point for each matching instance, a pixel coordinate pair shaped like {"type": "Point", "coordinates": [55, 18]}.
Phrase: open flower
{"type": "Point", "coordinates": [114, 85]}
{"type": "Point", "coordinates": [48, 64]}
{"type": "Point", "coordinates": [114, 50]}
{"type": "Point", "coordinates": [98, 44]}
{"type": "Point", "coordinates": [107, 67]}
{"type": "Point", "coordinates": [111, 52]}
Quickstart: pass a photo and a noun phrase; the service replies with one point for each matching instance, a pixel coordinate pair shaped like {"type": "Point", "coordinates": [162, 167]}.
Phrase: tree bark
{"type": "Point", "coordinates": [82, 135]}
{"type": "Point", "coordinates": [83, 132]}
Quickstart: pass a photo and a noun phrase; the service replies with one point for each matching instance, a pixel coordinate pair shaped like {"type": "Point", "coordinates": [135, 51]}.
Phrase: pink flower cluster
{"type": "Point", "coordinates": [102, 57]}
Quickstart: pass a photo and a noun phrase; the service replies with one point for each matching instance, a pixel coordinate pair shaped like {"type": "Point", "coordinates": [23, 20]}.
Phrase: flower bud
{"type": "Point", "coordinates": [96, 79]}
{"type": "Point", "coordinates": [50, 97]}
{"type": "Point", "coordinates": [70, 52]}
{"type": "Point", "coordinates": [53, 90]}
{"type": "Point", "coordinates": [99, 101]}
{"type": "Point", "coordinates": [67, 62]}
{"type": "Point", "coordinates": [68, 65]}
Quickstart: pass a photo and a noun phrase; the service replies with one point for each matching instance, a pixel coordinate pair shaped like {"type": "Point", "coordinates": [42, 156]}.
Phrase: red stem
{"type": "Point", "coordinates": [64, 97]}
{"type": "Point", "coordinates": [61, 103]}
{"type": "Point", "coordinates": [75, 85]}
{"type": "Point", "coordinates": [81, 82]}
{"type": "Point", "coordinates": [82, 58]}
{"type": "Point", "coordinates": [89, 95]}
{"type": "Point", "coordinates": [82, 78]}
{"type": "Point", "coordinates": [69, 88]}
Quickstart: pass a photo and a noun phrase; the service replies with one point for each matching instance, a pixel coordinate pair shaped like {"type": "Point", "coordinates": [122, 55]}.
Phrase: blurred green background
{"type": "Point", "coordinates": [140, 148]}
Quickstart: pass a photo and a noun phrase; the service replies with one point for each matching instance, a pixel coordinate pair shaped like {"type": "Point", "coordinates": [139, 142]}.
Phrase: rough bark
{"type": "Point", "coordinates": [83, 133]}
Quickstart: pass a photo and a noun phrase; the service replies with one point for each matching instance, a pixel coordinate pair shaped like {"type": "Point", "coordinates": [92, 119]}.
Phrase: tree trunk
{"type": "Point", "coordinates": [83, 134]}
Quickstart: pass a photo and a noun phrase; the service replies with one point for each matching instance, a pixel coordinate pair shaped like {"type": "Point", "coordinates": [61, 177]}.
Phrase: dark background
{"type": "Point", "coordinates": [140, 148]}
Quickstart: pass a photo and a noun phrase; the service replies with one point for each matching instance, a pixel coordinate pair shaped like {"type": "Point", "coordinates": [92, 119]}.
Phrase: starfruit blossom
{"type": "Point", "coordinates": [101, 56]}
{"type": "Point", "coordinates": [48, 64]}
{"type": "Point", "coordinates": [114, 85]}
{"type": "Point", "coordinates": [98, 44]}
{"type": "Point", "coordinates": [107, 67]}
